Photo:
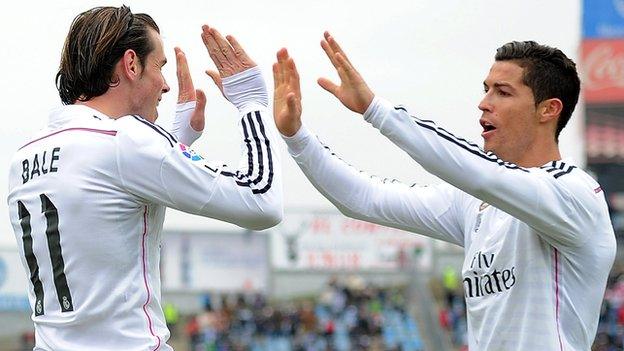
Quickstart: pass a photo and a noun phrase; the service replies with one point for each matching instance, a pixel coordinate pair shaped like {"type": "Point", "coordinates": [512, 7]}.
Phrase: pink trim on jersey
{"type": "Point", "coordinates": [557, 295]}
{"type": "Point", "coordinates": [144, 259]}
{"type": "Point", "coordinates": [100, 131]}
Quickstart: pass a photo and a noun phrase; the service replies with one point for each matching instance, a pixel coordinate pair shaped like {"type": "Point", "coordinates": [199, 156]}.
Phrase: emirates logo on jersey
{"type": "Point", "coordinates": [484, 279]}
{"type": "Point", "coordinates": [189, 153]}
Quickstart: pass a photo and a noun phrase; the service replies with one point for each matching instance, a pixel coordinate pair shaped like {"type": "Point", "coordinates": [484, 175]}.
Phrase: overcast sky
{"type": "Point", "coordinates": [431, 56]}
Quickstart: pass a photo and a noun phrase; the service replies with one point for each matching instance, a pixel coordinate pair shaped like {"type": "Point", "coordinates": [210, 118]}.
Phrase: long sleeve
{"type": "Point", "coordinates": [155, 167]}
{"type": "Point", "coordinates": [431, 211]}
{"type": "Point", "coordinates": [181, 127]}
{"type": "Point", "coordinates": [561, 208]}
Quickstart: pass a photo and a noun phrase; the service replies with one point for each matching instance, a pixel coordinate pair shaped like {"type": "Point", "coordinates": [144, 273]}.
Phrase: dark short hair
{"type": "Point", "coordinates": [548, 72]}
{"type": "Point", "coordinates": [97, 40]}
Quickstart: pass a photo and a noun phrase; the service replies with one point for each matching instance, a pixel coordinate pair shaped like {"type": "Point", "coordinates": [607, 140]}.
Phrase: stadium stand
{"type": "Point", "coordinates": [342, 318]}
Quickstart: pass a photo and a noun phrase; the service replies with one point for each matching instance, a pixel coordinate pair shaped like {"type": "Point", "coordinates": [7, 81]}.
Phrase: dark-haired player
{"type": "Point", "coordinates": [535, 229]}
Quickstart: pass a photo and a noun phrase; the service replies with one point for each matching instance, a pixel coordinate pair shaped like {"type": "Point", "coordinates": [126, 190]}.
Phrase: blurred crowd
{"type": "Point", "coordinates": [349, 316]}
{"type": "Point", "coordinates": [452, 309]}
{"type": "Point", "coordinates": [610, 336]}
{"type": "Point", "coordinates": [452, 318]}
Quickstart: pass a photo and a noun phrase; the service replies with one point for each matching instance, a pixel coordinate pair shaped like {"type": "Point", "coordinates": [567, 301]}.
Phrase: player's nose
{"type": "Point", "coordinates": [165, 87]}
{"type": "Point", "coordinates": [485, 105]}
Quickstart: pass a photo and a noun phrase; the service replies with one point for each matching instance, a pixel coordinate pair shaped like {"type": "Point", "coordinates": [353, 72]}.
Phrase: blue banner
{"type": "Point", "coordinates": [9, 302]}
{"type": "Point", "coordinates": [603, 19]}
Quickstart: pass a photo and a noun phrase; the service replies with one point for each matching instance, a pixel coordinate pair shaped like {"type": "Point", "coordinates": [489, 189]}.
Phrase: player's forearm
{"type": "Point", "coordinates": [249, 195]}
{"type": "Point", "coordinates": [382, 201]}
{"type": "Point", "coordinates": [452, 159]}
{"type": "Point", "coordinates": [336, 180]}
{"type": "Point", "coordinates": [256, 185]}
{"type": "Point", "coordinates": [240, 204]}
{"type": "Point", "coordinates": [259, 178]}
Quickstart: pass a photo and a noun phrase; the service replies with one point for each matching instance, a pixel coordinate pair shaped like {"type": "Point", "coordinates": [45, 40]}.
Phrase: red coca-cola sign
{"type": "Point", "coordinates": [603, 71]}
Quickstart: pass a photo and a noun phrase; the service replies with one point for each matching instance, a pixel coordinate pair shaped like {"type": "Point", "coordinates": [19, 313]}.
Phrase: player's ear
{"type": "Point", "coordinates": [549, 109]}
{"type": "Point", "coordinates": [130, 65]}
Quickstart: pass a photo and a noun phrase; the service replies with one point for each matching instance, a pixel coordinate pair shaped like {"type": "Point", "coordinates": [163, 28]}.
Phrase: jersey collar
{"type": "Point", "coordinates": [66, 113]}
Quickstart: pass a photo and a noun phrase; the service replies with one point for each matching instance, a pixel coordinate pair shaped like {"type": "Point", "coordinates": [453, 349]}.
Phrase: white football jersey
{"type": "Point", "coordinates": [87, 199]}
{"type": "Point", "coordinates": [538, 242]}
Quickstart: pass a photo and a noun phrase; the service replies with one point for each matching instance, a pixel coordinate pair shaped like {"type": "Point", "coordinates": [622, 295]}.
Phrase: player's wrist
{"type": "Point", "coordinates": [184, 107]}
{"type": "Point", "coordinates": [182, 127]}
{"type": "Point", "coordinates": [246, 88]}
{"type": "Point", "coordinates": [297, 142]}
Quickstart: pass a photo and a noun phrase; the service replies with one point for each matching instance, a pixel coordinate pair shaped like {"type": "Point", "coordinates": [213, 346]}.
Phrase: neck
{"type": "Point", "coordinates": [108, 104]}
{"type": "Point", "coordinates": [539, 154]}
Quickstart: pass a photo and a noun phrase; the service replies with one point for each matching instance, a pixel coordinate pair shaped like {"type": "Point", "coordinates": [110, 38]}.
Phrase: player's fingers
{"type": "Point", "coordinates": [215, 53]}
{"type": "Point", "coordinates": [182, 69]}
{"type": "Point", "coordinates": [216, 78]}
{"type": "Point", "coordinates": [346, 71]}
{"type": "Point", "coordinates": [279, 65]}
{"type": "Point", "coordinates": [329, 52]}
{"type": "Point", "coordinates": [198, 120]}
{"type": "Point", "coordinates": [224, 46]}
{"type": "Point", "coordinates": [293, 77]}
{"type": "Point", "coordinates": [211, 45]}
{"type": "Point", "coordinates": [239, 52]}
{"type": "Point", "coordinates": [179, 57]}
{"type": "Point", "coordinates": [293, 103]}
{"type": "Point", "coordinates": [277, 81]}
{"type": "Point", "coordinates": [186, 90]}
{"type": "Point", "coordinates": [220, 39]}
{"type": "Point", "coordinates": [237, 49]}
{"type": "Point", "coordinates": [282, 57]}
{"type": "Point", "coordinates": [333, 44]}
{"type": "Point", "coordinates": [328, 85]}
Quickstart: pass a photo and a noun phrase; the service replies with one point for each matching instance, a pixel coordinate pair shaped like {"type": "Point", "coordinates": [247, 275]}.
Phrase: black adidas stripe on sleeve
{"type": "Point", "coordinates": [260, 141]}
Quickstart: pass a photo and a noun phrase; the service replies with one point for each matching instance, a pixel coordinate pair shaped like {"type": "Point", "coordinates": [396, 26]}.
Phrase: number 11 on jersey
{"type": "Point", "coordinates": [56, 255]}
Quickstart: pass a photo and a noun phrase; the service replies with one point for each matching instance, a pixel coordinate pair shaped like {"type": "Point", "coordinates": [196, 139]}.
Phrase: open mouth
{"type": "Point", "coordinates": [488, 128]}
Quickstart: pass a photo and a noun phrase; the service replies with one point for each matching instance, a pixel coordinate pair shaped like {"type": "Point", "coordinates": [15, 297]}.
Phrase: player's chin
{"type": "Point", "coordinates": [488, 146]}
{"type": "Point", "coordinates": [492, 147]}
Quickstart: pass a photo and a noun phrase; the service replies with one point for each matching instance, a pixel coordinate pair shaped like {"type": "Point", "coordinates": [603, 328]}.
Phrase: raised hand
{"type": "Point", "coordinates": [352, 91]}
{"type": "Point", "coordinates": [287, 95]}
{"type": "Point", "coordinates": [187, 92]}
{"type": "Point", "coordinates": [227, 55]}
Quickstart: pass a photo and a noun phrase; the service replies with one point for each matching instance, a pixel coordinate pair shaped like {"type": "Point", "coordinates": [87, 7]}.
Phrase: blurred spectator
{"type": "Point", "coordinates": [450, 280]}
{"type": "Point", "coordinates": [27, 341]}
{"type": "Point", "coordinates": [452, 312]}
{"type": "Point", "coordinates": [193, 334]}
{"type": "Point", "coordinates": [172, 316]}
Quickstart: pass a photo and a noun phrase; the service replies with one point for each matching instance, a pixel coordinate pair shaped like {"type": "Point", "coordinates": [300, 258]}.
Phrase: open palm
{"type": "Point", "coordinates": [352, 92]}
{"type": "Point", "coordinates": [287, 95]}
